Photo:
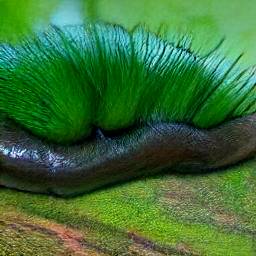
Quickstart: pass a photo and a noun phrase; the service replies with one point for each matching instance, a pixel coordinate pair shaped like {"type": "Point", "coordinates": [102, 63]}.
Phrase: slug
{"type": "Point", "coordinates": [82, 107]}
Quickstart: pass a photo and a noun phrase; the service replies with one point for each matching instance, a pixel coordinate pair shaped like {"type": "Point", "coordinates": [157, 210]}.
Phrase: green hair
{"type": "Point", "coordinates": [62, 83]}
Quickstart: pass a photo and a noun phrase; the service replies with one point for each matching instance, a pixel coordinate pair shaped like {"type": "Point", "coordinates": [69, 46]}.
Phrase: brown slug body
{"type": "Point", "coordinates": [27, 163]}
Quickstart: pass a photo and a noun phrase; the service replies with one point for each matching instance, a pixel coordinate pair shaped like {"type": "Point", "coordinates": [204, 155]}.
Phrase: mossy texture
{"type": "Point", "coordinates": [211, 214]}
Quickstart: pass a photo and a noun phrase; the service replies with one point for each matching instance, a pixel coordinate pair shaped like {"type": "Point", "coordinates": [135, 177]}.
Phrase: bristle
{"type": "Point", "coordinates": [63, 82]}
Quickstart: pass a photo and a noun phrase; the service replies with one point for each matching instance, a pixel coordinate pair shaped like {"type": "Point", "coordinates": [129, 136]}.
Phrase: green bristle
{"type": "Point", "coordinates": [44, 91]}
{"type": "Point", "coordinates": [120, 94]}
{"type": "Point", "coordinates": [62, 83]}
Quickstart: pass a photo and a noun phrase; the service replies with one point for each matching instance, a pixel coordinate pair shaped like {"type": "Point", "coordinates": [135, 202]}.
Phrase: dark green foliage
{"type": "Point", "coordinates": [64, 82]}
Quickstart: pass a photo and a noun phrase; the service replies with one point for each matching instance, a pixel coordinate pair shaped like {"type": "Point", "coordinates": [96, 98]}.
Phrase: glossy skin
{"type": "Point", "coordinates": [27, 163]}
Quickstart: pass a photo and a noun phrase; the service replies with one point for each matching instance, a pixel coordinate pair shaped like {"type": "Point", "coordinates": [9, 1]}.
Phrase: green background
{"type": "Point", "coordinates": [208, 214]}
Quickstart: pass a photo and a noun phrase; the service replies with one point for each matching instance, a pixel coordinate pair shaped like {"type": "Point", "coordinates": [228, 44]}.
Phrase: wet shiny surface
{"type": "Point", "coordinates": [28, 163]}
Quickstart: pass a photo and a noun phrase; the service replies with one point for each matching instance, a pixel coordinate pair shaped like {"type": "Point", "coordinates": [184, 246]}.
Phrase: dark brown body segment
{"type": "Point", "coordinates": [26, 163]}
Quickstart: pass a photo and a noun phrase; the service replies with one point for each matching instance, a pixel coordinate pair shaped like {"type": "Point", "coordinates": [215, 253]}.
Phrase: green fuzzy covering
{"type": "Point", "coordinates": [205, 215]}
{"type": "Point", "coordinates": [64, 82]}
